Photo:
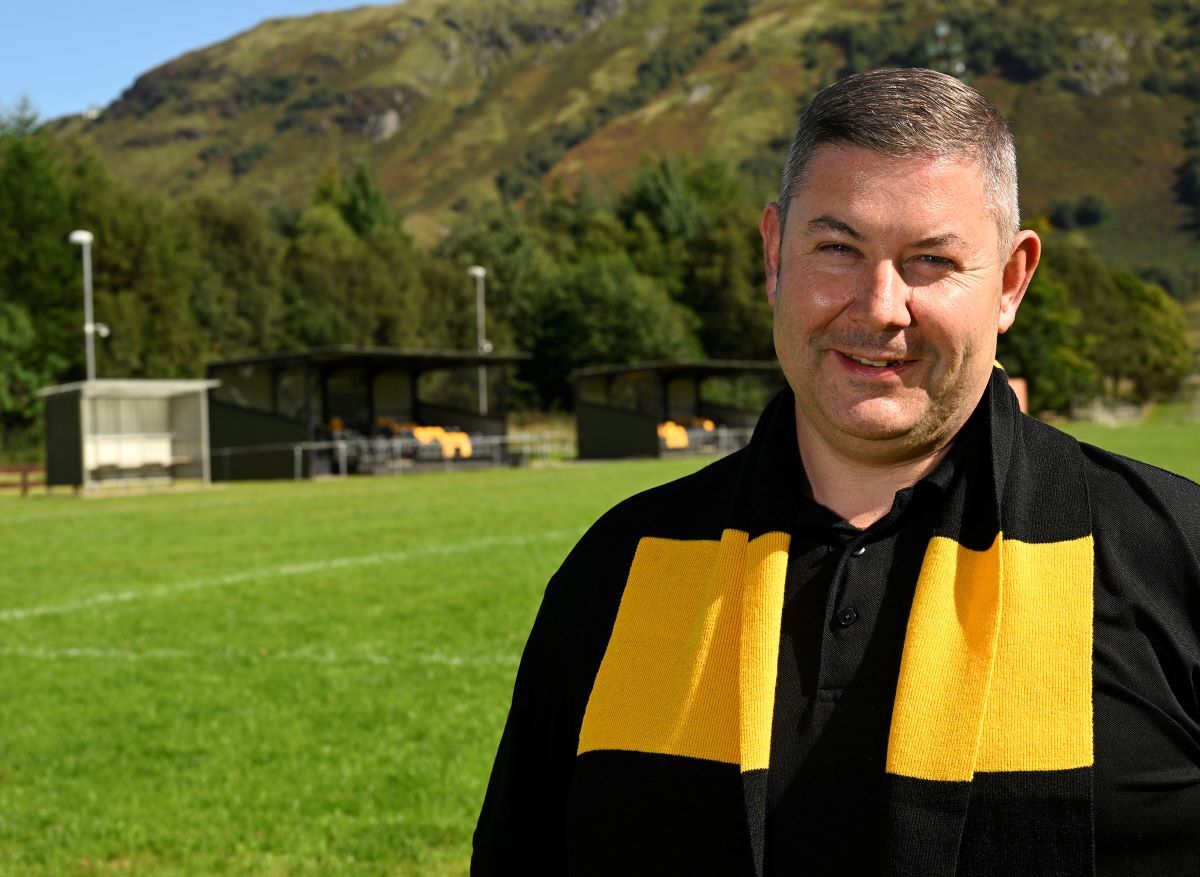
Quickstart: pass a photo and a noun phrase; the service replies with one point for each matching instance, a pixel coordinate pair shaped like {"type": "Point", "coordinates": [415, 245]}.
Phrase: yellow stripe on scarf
{"type": "Point", "coordinates": [997, 666]}
{"type": "Point", "coordinates": [691, 665]}
{"type": "Point", "coordinates": [995, 676]}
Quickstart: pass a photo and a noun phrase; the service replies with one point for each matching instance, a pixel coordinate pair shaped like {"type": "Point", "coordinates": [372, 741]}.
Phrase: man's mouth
{"type": "Point", "coordinates": [876, 363]}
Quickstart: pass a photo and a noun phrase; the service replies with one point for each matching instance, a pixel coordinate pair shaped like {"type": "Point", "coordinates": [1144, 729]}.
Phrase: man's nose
{"type": "Point", "coordinates": [881, 300]}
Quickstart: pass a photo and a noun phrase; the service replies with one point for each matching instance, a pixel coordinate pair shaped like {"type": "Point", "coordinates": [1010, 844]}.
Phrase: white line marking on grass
{"type": "Point", "coordinates": [327, 657]}
{"type": "Point", "coordinates": [88, 653]}
{"type": "Point", "coordinates": [291, 569]}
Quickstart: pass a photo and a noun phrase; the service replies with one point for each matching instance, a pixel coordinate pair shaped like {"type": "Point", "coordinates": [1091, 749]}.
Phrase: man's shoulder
{"type": "Point", "coordinates": [691, 507]}
{"type": "Point", "coordinates": [1146, 527]}
{"type": "Point", "coordinates": [1140, 514]}
{"type": "Point", "coordinates": [1117, 483]}
{"type": "Point", "coordinates": [1121, 486]}
{"type": "Point", "coordinates": [583, 595]}
{"type": "Point", "coordinates": [1146, 533]}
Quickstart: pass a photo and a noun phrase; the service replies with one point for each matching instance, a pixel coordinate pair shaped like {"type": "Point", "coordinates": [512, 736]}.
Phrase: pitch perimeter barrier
{"type": "Point", "coordinates": [730, 439]}
{"type": "Point", "coordinates": [402, 454]}
{"type": "Point", "coordinates": [25, 478]}
{"type": "Point", "coordinates": [399, 454]}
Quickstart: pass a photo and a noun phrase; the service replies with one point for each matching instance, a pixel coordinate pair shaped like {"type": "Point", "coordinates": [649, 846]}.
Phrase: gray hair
{"type": "Point", "coordinates": [911, 112]}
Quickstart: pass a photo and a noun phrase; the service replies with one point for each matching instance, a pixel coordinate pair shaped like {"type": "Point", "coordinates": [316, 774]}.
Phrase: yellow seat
{"type": "Point", "coordinates": [674, 436]}
{"type": "Point", "coordinates": [453, 444]}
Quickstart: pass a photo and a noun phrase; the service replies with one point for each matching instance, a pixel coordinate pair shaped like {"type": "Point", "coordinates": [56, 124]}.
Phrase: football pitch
{"type": "Point", "coordinates": [286, 678]}
{"type": "Point", "coordinates": [272, 678]}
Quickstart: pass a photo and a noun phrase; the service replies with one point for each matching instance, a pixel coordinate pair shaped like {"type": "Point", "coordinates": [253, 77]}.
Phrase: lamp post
{"type": "Point", "coordinates": [483, 345]}
{"type": "Point", "coordinates": [84, 239]}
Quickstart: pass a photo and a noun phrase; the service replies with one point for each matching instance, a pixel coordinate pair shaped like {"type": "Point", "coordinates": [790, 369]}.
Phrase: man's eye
{"type": "Point", "coordinates": [936, 262]}
{"type": "Point", "coordinates": [835, 248]}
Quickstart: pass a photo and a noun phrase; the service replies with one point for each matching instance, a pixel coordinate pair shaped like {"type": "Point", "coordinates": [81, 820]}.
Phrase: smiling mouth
{"type": "Point", "coordinates": [875, 363]}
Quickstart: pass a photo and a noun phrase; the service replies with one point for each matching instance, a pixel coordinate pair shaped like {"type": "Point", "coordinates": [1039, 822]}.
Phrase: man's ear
{"type": "Point", "coordinates": [769, 227]}
{"type": "Point", "coordinates": [1018, 271]}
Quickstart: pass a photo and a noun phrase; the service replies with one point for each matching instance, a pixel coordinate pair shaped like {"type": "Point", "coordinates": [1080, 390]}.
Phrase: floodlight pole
{"type": "Point", "coordinates": [84, 239]}
{"type": "Point", "coordinates": [483, 345]}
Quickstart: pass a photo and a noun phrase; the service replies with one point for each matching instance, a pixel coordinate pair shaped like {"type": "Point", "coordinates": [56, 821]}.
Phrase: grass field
{"type": "Point", "coordinates": [271, 679]}
{"type": "Point", "coordinates": [287, 678]}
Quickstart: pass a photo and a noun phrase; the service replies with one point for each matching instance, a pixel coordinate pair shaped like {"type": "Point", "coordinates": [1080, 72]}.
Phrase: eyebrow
{"type": "Point", "coordinates": [825, 222]}
{"type": "Point", "coordinates": [949, 239]}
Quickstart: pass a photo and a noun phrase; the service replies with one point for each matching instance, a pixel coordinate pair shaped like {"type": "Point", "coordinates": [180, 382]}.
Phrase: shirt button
{"type": "Point", "coordinates": [859, 551]}
{"type": "Point", "coordinates": [847, 616]}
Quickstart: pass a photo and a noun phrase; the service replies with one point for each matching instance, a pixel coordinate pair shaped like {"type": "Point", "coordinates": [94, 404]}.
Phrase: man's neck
{"type": "Point", "coordinates": [860, 491]}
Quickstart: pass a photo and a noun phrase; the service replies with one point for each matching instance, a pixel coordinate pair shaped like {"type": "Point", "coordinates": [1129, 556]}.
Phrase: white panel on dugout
{"type": "Point", "coordinates": [130, 430]}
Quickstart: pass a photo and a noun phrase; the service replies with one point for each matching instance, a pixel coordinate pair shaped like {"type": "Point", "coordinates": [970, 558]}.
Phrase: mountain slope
{"type": "Point", "coordinates": [454, 101]}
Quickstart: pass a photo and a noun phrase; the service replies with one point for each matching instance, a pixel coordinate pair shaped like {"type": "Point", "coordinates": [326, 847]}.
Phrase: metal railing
{"type": "Point", "coordinates": [397, 454]}
{"type": "Point", "coordinates": [402, 454]}
{"type": "Point", "coordinates": [730, 439]}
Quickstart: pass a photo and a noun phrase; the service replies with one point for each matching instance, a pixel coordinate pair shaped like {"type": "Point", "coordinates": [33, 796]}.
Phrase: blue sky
{"type": "Point", "coordinates": [67, 56]}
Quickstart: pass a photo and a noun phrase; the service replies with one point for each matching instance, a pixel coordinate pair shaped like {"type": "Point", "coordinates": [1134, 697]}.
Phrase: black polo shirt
{"type": "Point", "coordinates": [846, 603]}
{"type": "Point", "coordinates": [847, 599]}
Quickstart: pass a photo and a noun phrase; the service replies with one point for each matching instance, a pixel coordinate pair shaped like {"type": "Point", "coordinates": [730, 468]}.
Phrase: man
{"type": "Point", "coordinates": [906, 630]}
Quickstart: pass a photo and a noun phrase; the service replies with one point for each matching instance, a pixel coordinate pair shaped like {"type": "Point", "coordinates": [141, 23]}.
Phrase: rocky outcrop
{"type": "Point", "coordinates": [376, 113]}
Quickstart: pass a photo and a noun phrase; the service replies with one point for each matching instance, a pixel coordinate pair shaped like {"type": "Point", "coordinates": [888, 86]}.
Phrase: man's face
{"type": "Point", "coordinates": [889, 289]}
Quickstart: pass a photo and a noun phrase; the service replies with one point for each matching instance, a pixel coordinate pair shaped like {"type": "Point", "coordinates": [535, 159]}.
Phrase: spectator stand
{"type": "Point", "coordinates": [125, 431]}
{"type": "Point", "coordinates": [360, 410]}
{"type": "Point", "coordinates": [664, 407]}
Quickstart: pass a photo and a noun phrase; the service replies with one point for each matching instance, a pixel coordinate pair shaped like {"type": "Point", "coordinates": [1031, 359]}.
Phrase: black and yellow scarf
{"type": "Point", "coordinates": [990, 750]}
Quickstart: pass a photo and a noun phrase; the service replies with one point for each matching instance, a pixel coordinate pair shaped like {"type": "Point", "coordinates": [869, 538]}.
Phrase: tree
{"type": "Point", "coordinates": [361, 202]}
{"type": "Point", "coordinates": [364, 206]}
{"type": "Point", "coordinates": [24, 369]}
{"type": "Point", "coordinates": [39, 269]}
{"type": "Point", "coordinates": [1157, 354]}
{"type": "Point", "coordinates": [1188, 184]}
{"type": "Point", "coordinates": [1089, 210]}
{"type": "Point", "coordinates": [1062, 213]}
{"type": "Point", "coordinates": [340, 288]}
{"type": "Point", "coordinates": [395, 290]}
{"type": "Point", "coordinates": [1133, 333]}
{"type": "Point", "coordinates": [145, 269]}
{"type": "Point", "coordinates": [500, 238]}
{"type": "Point", "coordinates": [1092, 210]}
{"type": "Point", "coordinates": [562, 286]}
{"type": "Point", "coordinates": [691, 227]}
{"type": "Point", "coordinates": [237, 297]}
{"type": "Point", "coordinates": [1045, 346]}
{"type": "Point", "coordinates": [319, 274]}
{"type": "Point", "coordinates": [724, 287]}
{"type": "Point", "coordinates": [599, 310]}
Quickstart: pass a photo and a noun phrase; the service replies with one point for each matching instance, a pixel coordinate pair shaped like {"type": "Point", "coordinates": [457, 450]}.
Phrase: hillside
{"type": "Point", "coordinates": [453, 102]}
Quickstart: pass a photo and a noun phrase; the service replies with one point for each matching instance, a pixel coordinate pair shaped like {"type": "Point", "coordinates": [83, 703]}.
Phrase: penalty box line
{"type": "Point", "coordinates": [284, 571]}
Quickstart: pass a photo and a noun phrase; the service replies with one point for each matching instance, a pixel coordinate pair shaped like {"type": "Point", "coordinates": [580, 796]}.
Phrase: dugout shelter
{"type": "Point", "coordinates": [266, 407]}
{"type": "Point", "coordinates": [663, 407]}
{"type": "Point", "coordinates": [125, 431]}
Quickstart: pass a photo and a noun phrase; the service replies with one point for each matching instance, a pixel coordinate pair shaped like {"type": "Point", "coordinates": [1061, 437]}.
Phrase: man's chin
{"type": "Point", "coordinates": [876, 420]}
{"type": "Point", "coordinates": [885, 440]}
{"type": "Point", "coordinates": [883, 429]}
{"type": "Point", "coordinates": [877, 432]}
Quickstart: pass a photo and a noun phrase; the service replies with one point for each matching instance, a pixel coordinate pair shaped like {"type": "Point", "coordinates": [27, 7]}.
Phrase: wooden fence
{"type": "Point", "coordinates": [22, 477]}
